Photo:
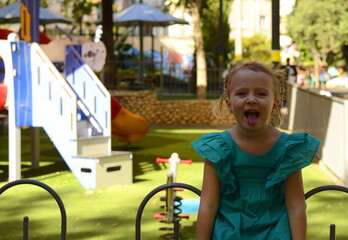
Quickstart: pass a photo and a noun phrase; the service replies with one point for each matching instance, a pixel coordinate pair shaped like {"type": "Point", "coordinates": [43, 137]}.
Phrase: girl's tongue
{"type": "Point", "coordinates": [252, 117]}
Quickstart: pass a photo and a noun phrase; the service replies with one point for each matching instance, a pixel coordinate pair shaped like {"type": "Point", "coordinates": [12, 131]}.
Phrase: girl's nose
{"type": "Point", "coordinates": [251, 100]}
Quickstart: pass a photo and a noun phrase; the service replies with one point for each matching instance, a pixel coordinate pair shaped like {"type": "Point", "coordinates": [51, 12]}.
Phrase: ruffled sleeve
{"type": "Point", "coordinates": [297, 152]}
{"type": "Point", "coordinates": [213, 147]}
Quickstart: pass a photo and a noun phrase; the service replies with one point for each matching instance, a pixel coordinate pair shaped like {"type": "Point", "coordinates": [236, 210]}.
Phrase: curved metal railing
{"type": "Point", "coordinates": [54, 195]}
{"type": "Point", "coordinates": [150, 195]}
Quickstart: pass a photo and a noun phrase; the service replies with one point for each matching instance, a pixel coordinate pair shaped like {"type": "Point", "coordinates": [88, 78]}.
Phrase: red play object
{"type": "Point", "coordinates": [3, 95]}
{"type": "Point", "coordinates": [44, 39]}
{"type": "Point", "coordinates": [166, 160]}
{"type": "Point", "coordinates": [127, 126]}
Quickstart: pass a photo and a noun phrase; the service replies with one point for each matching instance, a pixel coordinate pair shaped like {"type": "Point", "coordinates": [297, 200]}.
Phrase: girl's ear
{"type": "Point", "coordinates": [229, 107]}
{"type": "Point", "coordinates": [276, 106]}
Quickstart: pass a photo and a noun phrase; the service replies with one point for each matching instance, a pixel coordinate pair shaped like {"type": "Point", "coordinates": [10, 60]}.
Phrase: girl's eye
{"type": "Point", "coordinates": [262, 94]}
{"type": "Point", "coordinates": [241, 93]}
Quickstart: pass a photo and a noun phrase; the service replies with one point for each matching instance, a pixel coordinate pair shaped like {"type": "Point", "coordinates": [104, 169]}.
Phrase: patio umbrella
{"type": "Point", "coordinates": [143, 14]}
{"type": "Point", "coordinates": [11, 14]}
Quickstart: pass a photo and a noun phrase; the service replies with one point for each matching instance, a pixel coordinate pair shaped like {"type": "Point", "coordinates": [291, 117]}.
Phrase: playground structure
{"type": "Point", "coordinates": [74, 111]}
{"type": "Point", "coordinates": [173, 203]}
{"type": "Point", "coordinates": [70, 104]}
{"type": "Point", "coordinates": [68, 101]}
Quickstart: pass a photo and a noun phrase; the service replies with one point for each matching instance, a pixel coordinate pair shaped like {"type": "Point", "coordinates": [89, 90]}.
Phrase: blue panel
{"type": "Point", "coordinates": [22, 84]}
{"type": "Point", "coordinates": [2, 70]}
{"type": "Point", "coordinates": [72, 60]}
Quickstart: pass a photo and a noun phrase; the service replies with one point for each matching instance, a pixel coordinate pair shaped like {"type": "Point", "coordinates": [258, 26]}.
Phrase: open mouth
{"type": "Point", "coordinates": [251, 116]}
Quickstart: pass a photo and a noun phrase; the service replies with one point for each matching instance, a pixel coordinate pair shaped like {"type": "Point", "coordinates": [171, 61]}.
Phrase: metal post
{"type": "Point", "coordinates": [141, 67]}
{"type": "Point", "coordinates": [332, 232]}
{"type": "Point", "coordinates": [221, 38]}
{"type": "Point", "coordinates": [35, 147]}
{"type": "Point", "coordinates": [161, 71]}
{"type": "Point", "coordinates": [275, 33]}
{"type": "Point", "coordinates": [176, 229]}
{"type": "Point", "coordinates": [25, 228]}
{"type": "Point", "coordinates": [238, 39]}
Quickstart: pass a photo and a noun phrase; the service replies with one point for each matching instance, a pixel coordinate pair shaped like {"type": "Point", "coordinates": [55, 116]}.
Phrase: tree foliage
{"type": "Point", "coordinates": [210, 28]}
{"type": "Point", "coordinates": [321, 25]}
{"type": "Point", "coordinates": [257, 48]}
{"type": "Point", "coordinates": [80, 9]}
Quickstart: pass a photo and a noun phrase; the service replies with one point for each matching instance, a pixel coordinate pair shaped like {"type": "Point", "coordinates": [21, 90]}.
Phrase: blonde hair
{"type": "Point", "coordinates": [278, 78]}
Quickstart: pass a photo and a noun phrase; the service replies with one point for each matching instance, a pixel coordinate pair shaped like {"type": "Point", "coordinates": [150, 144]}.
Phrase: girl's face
{"type": "Point", "coordinates": [251, 99]}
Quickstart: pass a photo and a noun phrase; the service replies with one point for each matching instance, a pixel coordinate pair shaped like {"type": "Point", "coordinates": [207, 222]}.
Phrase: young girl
{"type": "Point", "coordinates": [252, 184]}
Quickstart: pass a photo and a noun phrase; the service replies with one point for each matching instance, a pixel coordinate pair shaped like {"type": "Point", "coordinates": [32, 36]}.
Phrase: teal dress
{"type": "Point", "coordinates": [252, 197]}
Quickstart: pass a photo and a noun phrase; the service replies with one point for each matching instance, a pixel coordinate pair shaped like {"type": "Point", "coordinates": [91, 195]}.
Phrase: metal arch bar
{"type": "Point", "coordinates": [325, 188]}
{"type": "Point", "coordinates": [151, 194]}
{"type": "Point", "coordinates": [332, 232]}
{"type": "Point", "coordinates": [48, 189]}
{"type": "Point", "coordinates": [176, 229]}
{"type": "Point", "coordinates": [25, 228]}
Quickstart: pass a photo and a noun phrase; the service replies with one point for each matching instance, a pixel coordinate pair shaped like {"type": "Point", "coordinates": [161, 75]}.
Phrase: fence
{"type": "Point", "coordinates": [325, 118]}
{"type": "Point", "coordinates": [171, 81]}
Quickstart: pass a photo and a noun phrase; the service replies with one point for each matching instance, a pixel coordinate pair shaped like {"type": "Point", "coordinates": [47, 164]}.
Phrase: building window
{"type": "Point", "coordinates": [264, 22]}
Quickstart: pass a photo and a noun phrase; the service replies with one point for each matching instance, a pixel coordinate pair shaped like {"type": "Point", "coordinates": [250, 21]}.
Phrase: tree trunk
{"type": "Point", "coordinates": [316, 58]}
{"type": "Point", "coordinates": [107, 38]}
{"type": "Point", "coordinates": [200, 55]}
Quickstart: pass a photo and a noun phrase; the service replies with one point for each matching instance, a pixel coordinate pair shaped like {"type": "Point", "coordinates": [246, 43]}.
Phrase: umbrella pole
{"type": "Point", "coordinates": [141, 33]}
{"type": "Point", "coordinates": [152, 52]}
{"type": "Point", "coordinates": [141, 55]}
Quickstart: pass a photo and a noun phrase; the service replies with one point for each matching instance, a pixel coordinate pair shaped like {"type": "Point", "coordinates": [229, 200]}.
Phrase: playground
{"type": "Point", "coordinates": [88, 160]}
{"type": "Point", "coordinates": [62, 128]}
{"type": "Point", "coordinates": [109, 212]}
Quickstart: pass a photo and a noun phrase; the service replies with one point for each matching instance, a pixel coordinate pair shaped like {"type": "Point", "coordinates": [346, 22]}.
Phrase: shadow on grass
{"type": "Point", "coordinates": [27, 172]}
{"type": "Point", "coordinates": [189, 232]}
{"type": "Point", "coordinates": [155, 144]}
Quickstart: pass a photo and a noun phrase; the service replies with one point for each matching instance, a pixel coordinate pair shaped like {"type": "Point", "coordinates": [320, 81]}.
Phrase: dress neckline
{"type": "Point", "coordinates": [230, 139]}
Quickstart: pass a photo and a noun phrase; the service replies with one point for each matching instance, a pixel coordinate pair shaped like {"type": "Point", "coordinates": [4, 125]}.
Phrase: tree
{"type": "Point", "coordinates": [218, 43]}
{"type": "Point", "coordinates": [108, 39]}
{"type": "Point", "coordinates": [195, 7]}
{"type": "Point", "coordinates": [322, 26]}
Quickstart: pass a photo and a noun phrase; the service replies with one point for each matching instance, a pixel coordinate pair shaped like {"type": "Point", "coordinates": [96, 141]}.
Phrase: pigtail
{"type": "Point", "coordinates": [221, 101]}
{"type": "Point", "coordinates": [217, 108]}
{"type": "Point", "coordinates": [279, 79]}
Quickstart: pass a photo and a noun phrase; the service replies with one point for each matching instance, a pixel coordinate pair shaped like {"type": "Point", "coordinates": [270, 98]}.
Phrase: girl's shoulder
{"type": "Point", "coordinates": [213, 146]}
{"type": "Point", "coordinates": [300, 142]}
{"type": "Point", "coordinates": [298, 151]}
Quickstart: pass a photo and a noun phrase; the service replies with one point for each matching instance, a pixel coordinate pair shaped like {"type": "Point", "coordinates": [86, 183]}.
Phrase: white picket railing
{"type": "Point", "coordinates": [54, 103]}
{"type": "Point", "coordinates": [89, 89]}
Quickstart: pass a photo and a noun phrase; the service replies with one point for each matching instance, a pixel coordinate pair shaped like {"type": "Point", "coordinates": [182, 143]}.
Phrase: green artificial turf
{"type": "Point", "coordinates": [109, 213]}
